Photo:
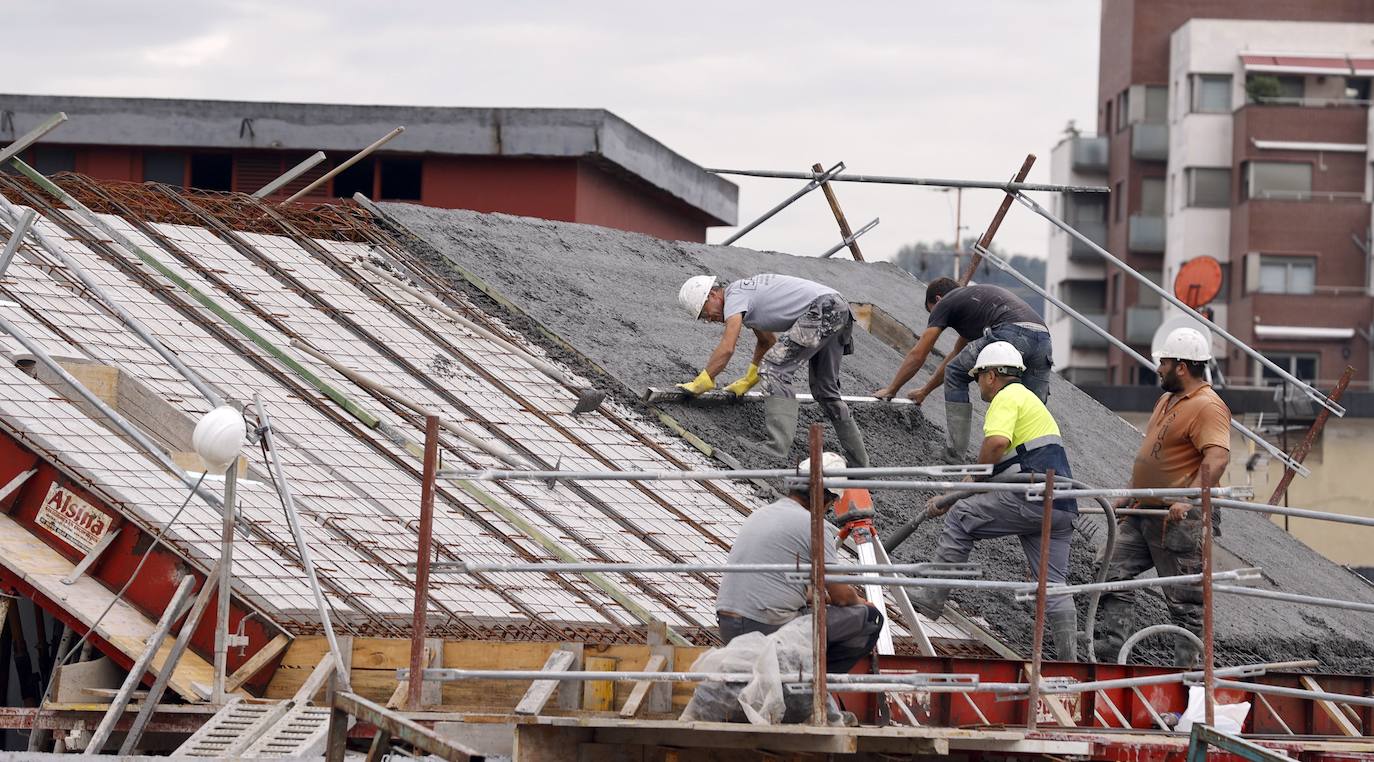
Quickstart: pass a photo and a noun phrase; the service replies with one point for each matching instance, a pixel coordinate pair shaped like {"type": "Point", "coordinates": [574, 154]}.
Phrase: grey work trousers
{"type": "Point", "coordinates": [999, 514]}
{"type": "Point", "coordinates": [851, 633]}
{"type": "Point", "coordinates": [1142, 543]}
{"type": "Point", "coordinates": [819, 339]}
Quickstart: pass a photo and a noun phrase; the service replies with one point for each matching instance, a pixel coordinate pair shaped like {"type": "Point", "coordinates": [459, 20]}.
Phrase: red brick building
{"type": "Point", "coordinates": [1236, 129]}
{"type": "Point", "coordinates": [573, 165]}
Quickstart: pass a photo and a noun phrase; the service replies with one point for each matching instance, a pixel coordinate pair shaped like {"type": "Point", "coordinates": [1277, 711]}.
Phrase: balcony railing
{"type": "Point", "coordinates": [1096, 231]}
{"type": "Point", "coordinates": [1309, 102]}
{"type": "Point", "coordinates": [1349, 197]}
{"type": "Point", "coordinates": [1141, 324]}
{"type": "Point", "coordinates": [1083, 337]}
{"type": "Point", "coordinates": [1146, 234]}
{"type": "Point", "coordinates": [1089, 154]}
{"type": "Point", "coordinates": [1150, 142]}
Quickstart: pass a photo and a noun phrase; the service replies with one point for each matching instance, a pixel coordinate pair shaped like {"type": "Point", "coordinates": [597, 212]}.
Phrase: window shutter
{"type": "Point", "coordinates": [1252, 272]}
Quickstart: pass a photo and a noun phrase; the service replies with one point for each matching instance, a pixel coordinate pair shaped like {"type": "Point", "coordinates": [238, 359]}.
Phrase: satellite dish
{"type": "Point", "coordinates": [1198, 281]}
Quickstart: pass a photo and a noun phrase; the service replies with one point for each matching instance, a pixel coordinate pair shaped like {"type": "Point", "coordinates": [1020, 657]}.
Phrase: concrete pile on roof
{"type": "Point", "coordinates": [606, 301]}
{"type": "Point", "coordinates": [300, 275]}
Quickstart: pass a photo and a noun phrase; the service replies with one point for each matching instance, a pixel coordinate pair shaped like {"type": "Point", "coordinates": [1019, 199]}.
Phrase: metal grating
{"type": "Point", "coordinates": [358, 493]}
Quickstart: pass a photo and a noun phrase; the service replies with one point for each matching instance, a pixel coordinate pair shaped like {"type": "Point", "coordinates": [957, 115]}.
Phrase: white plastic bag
{"type": "Point", "coordinates": [1229, 717]}
{"type": "Point", "coordinates": [768, 658]}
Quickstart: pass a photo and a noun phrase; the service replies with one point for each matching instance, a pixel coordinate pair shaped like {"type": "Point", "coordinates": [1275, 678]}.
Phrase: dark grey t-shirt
{"type": "Point", "coordinates": [971, 309]}
{"type": "Point", "coordinates": [778, 533]}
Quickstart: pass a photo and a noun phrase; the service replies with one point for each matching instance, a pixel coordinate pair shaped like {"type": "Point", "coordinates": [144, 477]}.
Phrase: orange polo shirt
{"type": "Point", "coordinates": [1180, 428]}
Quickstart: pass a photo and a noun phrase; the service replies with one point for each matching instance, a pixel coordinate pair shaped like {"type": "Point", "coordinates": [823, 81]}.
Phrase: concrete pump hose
{"type": "Point", "coordinates": [1155, 630]}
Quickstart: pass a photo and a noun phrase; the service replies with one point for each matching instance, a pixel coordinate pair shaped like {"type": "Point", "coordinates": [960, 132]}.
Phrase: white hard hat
{"type": "Point", "coordinates": [999, 355]}
{"type": "Point", "coordinates": [830, 461]}
{"type": "Point", "coordinates": [692, 295]}
{"type": "Point", "coordinates": [1185, 344]}
{"type": "Point", "coordinates": [218, 437]}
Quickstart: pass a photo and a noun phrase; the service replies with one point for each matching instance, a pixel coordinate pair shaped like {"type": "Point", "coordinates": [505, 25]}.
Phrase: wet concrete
{"type": "Point", "coordinates": [612, 296]}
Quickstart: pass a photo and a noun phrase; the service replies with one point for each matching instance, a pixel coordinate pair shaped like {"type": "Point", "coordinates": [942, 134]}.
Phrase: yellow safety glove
{"type": "Point", "coordinates": [702, 383]}
{"type": "Point", "coordinates": [746, 383]}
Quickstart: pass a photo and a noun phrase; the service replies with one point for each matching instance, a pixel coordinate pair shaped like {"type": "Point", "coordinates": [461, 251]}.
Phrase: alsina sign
{"type": "Point", "coordinates": [71, 519]}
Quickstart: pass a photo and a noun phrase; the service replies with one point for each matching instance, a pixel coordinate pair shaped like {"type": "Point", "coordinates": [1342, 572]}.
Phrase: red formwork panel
{"type": "Point", "coordinates": [1302, 717]}
{"type": "Point", "coordinates": [158, 579]}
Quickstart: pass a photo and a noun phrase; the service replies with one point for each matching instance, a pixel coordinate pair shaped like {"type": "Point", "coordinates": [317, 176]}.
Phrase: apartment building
{"type": "Point", "coordinates": [1237, 130]}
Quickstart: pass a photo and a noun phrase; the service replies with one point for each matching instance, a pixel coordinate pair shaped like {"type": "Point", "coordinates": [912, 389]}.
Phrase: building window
{"type": "Point", "coordinates": [1287, 275]}
{"type": "Point", "coordinates": [1156, 104]}
{"type": "Point", "coordinates": [1123, 110]}
{"type": "Point", "coordinates": [400, 179]}
{"type": "Point", "coordinates": [1089, 296]}
{"type": "Point", "coordinates": [212, 171]}
{"type": "Point", "coordinates": [1117, 203]}
{"type": "Point", "coordinates": [1278, 180]}
{"type": "Point", "coordinates": [1211, 93]}
{"type": "Point", "coordinates": [1086, 208]}
{"type": "Point", "coordinates": [1301, 364]}
{"type": "Point", "coordinates": [1209, 187]}
{"type": "Point", "coordinates": [1152, 196]}
{"type": "Point", "coordinates": [1106, 119]}
{"type": "Point", "coordinates": [358, 178]}
{"type": "Point", "coordinates": [1146, 296]}
{"type": "Point", "coordinates": [166, 167]}
{"type": "Point", "coordinates": [48, 160]}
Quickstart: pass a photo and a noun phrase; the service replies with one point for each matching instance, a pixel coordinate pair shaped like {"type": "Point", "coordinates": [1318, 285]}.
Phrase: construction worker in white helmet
{"type": "Point", "coordinates": [780, 533]}
{"type": "Point", "coordinates": [1189, 428]}
{"type": "Point", "coordinates": [796, 323]}
{"type": "Point", "coordinates": [1019, 437]}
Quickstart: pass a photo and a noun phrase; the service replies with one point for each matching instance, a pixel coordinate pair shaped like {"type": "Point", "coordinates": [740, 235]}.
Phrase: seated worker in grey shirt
{"type": "Point", "coordinates": [780, 533]}
{"type": "Point", "coordinates": [981, 314]}
{"type": "Point", "coordinates": [816, 330]}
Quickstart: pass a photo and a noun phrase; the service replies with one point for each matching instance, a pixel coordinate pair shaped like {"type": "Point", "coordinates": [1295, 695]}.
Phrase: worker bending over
{"type": "Point", "coordinates": [1019, 436]}
{"type": "Point", "coordinates": [816, 330]}
{"type": "Point", "coordinates": [1189, 428]}
{"type": "Point", "coordinates": [780, 533]}
{"type": "Point", "coordinates": [981, 315]}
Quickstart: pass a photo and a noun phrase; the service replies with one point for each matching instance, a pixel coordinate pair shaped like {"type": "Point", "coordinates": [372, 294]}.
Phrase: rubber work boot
{"type": "Point", "coordinates": [780, 420]}
{"type": "Point", "coordinates": [1186, 653]}
{"type": "Point", "coordinates": [1064, 629]}
{"type": "Point", "coordinates": [930, 602]}
{"type": "Point", "coordinates": [958, 422]}
{"type": "Point", "coordinates": [852, 442]}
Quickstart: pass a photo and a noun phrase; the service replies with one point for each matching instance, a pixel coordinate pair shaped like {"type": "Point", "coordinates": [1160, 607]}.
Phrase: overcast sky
{"type": "Point", "coordinates": [923, 88]}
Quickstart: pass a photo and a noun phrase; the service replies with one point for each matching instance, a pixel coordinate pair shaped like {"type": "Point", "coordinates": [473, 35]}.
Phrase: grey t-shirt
{"type": "Point", "coordinates": [772, 302]}
{"type": "Point", "coordinates": [778, 533]}
{"type": "Point", "coordinates": [971, 309]}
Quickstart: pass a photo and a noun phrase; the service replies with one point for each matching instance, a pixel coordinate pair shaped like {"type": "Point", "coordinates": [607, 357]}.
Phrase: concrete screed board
{"type": "Point", "coordinates": [612, 296]}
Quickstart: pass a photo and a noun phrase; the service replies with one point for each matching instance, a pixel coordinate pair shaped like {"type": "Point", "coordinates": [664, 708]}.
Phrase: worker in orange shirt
{"type": "Point", "coordinates": [1189, 428]}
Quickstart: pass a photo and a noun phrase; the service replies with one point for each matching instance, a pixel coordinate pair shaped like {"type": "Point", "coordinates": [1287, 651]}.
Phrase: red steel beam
{"type": "Point", "coordinates": [417, 634]}
{"type": "Point", "coordinates": [1038, 637]}
{"type": "Point", "coordinates": [985, 241]}
{"type": "Point", "coordinates": [1299, 453]}
{"type": "Point", "coordinates": [817, 488]}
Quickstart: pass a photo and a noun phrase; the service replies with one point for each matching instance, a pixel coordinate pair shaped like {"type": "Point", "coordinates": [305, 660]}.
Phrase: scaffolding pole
{"type": "Point", "coordinates": [814, 181]}
{"type": "Point", "coordinates": [1002, 185]}
{"type": "Point", "coordinates": [32, 136]}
